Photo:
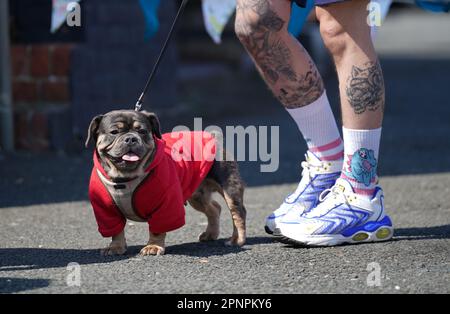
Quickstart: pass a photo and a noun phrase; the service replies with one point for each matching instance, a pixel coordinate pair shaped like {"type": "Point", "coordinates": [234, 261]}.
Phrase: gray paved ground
{"type": "Point", "coordinates": [46, 221]}
{"type": "Point", "coordinates": [41, 240]}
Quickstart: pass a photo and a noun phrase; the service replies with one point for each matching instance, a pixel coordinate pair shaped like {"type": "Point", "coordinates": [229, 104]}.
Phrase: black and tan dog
{"type": "Point", "coordinates": [128, 144]}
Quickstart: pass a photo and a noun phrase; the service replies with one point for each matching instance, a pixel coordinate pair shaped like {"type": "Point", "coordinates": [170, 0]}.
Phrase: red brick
{"type": "Point", "coordinates": [20, 60]}
{"type": "Point", "coordinates": [39, 137]}
{"type": "Point", "coordinates": [25, 92]}
{"type": "Point", "coordinates": [21, 130]}
{"type": "Point", "coordinates": [40, 61]}
{"type": "Point", "coordinates": [60, 61]}
{"type": "Point", "coordinates": [55, 91]}
{"type": "Point", "coordinates": [31, 131]}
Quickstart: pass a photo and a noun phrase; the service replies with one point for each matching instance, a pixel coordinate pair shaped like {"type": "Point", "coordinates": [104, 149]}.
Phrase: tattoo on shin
{"type": "Point", "coordinates": [365, 88]}
{"type": "Point", "coordinates": [303, 91]}
{"type": "Point", "coordinates": [273, 56]}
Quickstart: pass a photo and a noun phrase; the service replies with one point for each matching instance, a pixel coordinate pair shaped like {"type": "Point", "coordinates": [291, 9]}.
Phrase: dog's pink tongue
{"type": "Point", "coordinates": [130, 157]}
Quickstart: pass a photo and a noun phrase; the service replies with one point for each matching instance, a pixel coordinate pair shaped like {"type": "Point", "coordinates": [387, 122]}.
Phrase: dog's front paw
{"type": "Point", "coordinates": [152, 249]}
{"type": "Point", "coordinates": [113, 250]}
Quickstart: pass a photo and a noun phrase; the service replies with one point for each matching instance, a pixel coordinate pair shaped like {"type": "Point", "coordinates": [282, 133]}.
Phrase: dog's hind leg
{"type": "Point", "coordinates": [234, 196]}
{"type": "Point", "coordinates": [201, 200]}
{"type": "Point", "coordinates": [230, 185]}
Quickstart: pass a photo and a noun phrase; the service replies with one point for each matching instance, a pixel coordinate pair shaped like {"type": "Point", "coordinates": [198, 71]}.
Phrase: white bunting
{"type": "Point", "coordinates": [216, 14]}
{"type": "Point", "coordinates": [60, 10]}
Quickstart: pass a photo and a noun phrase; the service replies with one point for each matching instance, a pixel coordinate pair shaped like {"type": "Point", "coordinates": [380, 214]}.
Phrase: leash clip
{"type": "Point", "coordinates": [138, 106]}
{"type": "Point", "coordinates": [139, 103]}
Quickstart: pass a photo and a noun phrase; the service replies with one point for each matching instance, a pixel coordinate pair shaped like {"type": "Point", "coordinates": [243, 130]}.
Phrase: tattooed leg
{"type": "Point", "coordinates": [262, 27]}
{"type": "Point", "coordinates": [346, 34]}
{"type": "Point", "coordinates": [365, 88]}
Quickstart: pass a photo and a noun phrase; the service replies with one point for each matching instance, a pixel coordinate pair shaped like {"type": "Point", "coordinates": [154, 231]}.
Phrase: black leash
{"type": "Point", "coordinates": [140, 101]}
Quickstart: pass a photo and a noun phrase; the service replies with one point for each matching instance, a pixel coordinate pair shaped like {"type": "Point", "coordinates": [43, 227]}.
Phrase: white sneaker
{"type": "Point", "coordinates": [317, 176]}
{"type": "Point", "coordinates": [341, 217]}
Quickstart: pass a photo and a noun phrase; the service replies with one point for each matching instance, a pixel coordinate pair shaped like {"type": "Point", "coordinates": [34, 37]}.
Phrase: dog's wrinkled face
{"type": "Point", "coordinates": [124, 141]}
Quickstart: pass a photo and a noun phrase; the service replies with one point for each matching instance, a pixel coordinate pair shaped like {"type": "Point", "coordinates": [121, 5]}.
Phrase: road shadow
{"type": "Point", "coordinates": [15, 285]}
{"type": "Point", "coordinates": [214, 248]}
{"type": "Point", "coordinates": [422, 233]}
{"type": "Point", "coordinates": [17, 259]}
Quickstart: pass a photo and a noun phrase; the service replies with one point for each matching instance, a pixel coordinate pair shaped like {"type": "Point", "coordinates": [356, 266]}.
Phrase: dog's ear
{"type": "Point", "coordinates": [93, 130]}
{"type": "Point", "coordinates": [154, 123]}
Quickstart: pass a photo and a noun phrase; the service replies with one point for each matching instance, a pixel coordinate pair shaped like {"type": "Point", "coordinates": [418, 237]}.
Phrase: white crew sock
{"type": "Point", "coordinates": [361, 149]}
{"type": "Point", "coordinates": [318, 126]}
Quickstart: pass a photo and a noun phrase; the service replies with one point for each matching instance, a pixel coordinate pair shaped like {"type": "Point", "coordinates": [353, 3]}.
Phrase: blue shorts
{"type": "Point", "coordinates": [302, 3]}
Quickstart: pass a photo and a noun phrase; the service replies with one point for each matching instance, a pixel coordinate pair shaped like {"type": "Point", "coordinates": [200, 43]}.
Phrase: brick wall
{"type": "Point", "coordinates": [58, 88]}
{"type": "Point", "coordinates": [40, 82]}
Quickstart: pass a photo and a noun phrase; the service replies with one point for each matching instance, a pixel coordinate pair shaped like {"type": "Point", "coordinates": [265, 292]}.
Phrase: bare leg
{"type": "Point", "coordinates": [347, 36]}
{"type": "Point", "coordinates": [118, 245]}
{"type": "Point", "coordinates": [262, 27]}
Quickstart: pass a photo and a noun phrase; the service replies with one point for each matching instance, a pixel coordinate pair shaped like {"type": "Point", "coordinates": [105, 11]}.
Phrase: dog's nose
{"type": "Point", "coordinates": [131, 140]}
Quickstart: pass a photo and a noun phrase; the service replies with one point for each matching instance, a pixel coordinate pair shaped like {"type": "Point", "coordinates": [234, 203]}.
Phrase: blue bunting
{"type": "Point", "coordinates": [150, 8]}
{"type": "Point", "coordinates": [298, 17]}
{"type": "Point", "coordinates": [434, 6]}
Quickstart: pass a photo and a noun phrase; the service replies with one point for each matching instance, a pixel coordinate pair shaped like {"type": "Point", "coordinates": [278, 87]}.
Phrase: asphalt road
{"type": "Point", "coordinates": [46, 221]}
{"type": "Point", "coordinates": [38, 242]}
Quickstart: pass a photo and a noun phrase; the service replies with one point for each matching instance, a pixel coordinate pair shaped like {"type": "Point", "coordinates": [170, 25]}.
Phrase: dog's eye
{"type": "Point", "coordinates": [114, 132]}
{"type": "Point", "coordinates": [142, 131]}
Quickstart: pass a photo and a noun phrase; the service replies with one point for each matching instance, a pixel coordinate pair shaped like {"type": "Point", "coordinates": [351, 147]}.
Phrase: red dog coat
{"type": "Point", "coordinates": [182, 160]}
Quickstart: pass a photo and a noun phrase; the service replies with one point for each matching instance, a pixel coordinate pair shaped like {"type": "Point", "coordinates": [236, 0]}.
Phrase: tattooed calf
{"type": "Point", "coordinates": [303, 91]}
{"type": "Point", "coordinates": [365, 88]}
{"type": "Point", "coordinates": [271, 54]}
{"type": "Point", "coordinates": [262, 38]}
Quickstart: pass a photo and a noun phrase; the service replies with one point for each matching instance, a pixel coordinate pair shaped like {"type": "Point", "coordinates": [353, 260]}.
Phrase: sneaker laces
{"type": "Point", "coordinates": [334, 195]}
{"type": "Point", "coordinates": [301, 185]}
{"type": "Point", "coordinates": [306, 172]}
{"type": "Point", "coordinates": [333, 192]}
{"type": "Point", "coordinates": [309, 168]}
{"type": "Point", "coordinates": [309, 171]}
{"type": "Point", "coordinates": [307, 178]}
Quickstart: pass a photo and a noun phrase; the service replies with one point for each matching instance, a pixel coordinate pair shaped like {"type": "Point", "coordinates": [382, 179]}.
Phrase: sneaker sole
{"type": "Point", "coordinates": [277, 237]}
{"type": "Point", "coordinates": [381, 234]}
{"type": "Point", "coordinates": [268, 231]}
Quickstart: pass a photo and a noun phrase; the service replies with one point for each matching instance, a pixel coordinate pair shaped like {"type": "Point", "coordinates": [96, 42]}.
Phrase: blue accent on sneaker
{"type": "Point", "coordinates": [315, 180]}
{"type": "Point", "coordinates": [368, 227]}
{"type": "Point", "coordinates": [317, 185]}
{"type": "Point", "coordinates": [273, 216]}
{"type": "Point", "coordinates": [339, 216]}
